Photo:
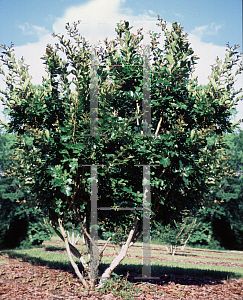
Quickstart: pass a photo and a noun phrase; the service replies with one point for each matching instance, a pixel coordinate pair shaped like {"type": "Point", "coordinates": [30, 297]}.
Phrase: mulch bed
{"type": "Point", "coordinates": [22, 280]}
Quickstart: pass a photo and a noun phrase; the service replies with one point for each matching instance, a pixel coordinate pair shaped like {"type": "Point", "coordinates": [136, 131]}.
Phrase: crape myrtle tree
{"type": "Point", "coordinates": [59, 114]}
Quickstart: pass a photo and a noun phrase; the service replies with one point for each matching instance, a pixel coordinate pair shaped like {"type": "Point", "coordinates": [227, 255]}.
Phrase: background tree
{"type": "Point", "coordinates": [223, 220]}
{"type": "Point", "coordinates": [20, 225]}
{"type": "Point", "coordinates": [228, 218]}
{"type": "Point", "coordinates": [56, 172]}
{"type": "Point", "coordinates": [177, 234]}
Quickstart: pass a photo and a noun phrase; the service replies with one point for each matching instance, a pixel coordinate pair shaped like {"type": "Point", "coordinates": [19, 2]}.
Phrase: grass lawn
{"type": "Point", "coordinates": [193, 261]}
{"type": "Point", "coordinates": [189, 274]}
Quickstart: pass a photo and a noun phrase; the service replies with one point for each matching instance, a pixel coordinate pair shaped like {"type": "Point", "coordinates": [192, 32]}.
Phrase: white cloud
{"type": "Point", "coordinates": [107, 12]}
{"type": "Point", "coordinates": [29, 29]}
{"type": "Point", "coordinates": [208, 52]}
{"type": "Point", "coordinates": [151, 12]}
{"type": "Point", "coordinates": [32, 53]}
{"type": "Point", "coordinates": [50, 18]}
{"type": "Point", "coordinates": [110, 12]}
{"type": "Point", "coordinates": [211, 29]}
{"type": "Point", "coordinates": [178, 15]}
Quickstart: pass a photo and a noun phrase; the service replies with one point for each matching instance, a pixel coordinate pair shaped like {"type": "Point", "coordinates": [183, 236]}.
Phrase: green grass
{"type": "Point", "coordinates": [48, 255]}
{"type": "Point", "coordinates": [53, 254]}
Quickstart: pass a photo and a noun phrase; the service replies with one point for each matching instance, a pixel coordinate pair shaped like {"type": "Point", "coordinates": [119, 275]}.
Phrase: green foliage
{"type": "Point", "coordinates": [118, 232]}
{"type": "Point", "coordinates": [221, 224]}
{"type": "Point", "coordinates": [227, 220]}
{"type": "Point", "coordinates": [57, 120]}
{"type": "Point", "coordinates": [203, 235]}
{"type": "Point", "coordinates": [177, 234]}
{"type": "Point", "coordinates": [20, 225]}
{"type": "Point", "coordinates": [120, 287]}
{"type": "Point", "coordinates": [230, 193]}
{"type": "Point", "coordinates": [54, 169]}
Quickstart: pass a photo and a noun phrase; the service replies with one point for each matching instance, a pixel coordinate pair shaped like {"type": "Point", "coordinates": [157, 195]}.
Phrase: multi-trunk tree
{"type": "Point", "coordinates": [177, 234]}
{"type": "Point", "coordinates": [146, 115]}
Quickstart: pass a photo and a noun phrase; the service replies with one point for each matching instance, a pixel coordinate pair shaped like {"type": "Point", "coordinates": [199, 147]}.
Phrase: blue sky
{"type": "Point", "coordinates": [210, 25]}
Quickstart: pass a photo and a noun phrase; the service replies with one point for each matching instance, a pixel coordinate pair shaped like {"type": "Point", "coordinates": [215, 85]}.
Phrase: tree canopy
{"type": "Point", "coordinates": [123, 133]}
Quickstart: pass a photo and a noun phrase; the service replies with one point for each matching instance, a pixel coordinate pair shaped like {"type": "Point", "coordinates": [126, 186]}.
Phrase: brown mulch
{"type": "Point", "coordinates": [22, 280]}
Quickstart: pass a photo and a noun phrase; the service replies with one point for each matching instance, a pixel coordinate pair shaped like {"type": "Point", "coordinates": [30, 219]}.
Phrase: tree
{"type": "Point", "coordinates": [13, 224]}
{"type": "Point", "coordinates": [221, 223]}
{"type": "Point", "coordinates": [230, 194]}
{"type": "Point", "coordinates": [227, 216]}
{"type": "Point", "coordinates": [177, 234]}
{"type": "Point", "coordinates": [68, 137]}
{"type": "Point", "coordinates": [20, 225]}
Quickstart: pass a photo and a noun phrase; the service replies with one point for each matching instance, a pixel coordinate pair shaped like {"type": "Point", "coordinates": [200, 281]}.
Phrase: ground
{"type": "Point", "coordinates": [23, 280]}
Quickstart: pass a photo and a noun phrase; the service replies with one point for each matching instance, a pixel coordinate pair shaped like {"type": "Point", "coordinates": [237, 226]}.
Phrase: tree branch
{"type": "Point", "coordinates": [73, 249]}
{"type": "Point", "coordinates": [80, 276]}
{"type": "Point", "coordinates": [103, 249]}
{"type": "Point", "coordinates": [85, 233]}
{"type": "Point", "coordinates": [116, 261]}
{"type": "Point", "coordinates": [138, 110]}
{"type": "Point", "coordinates": [158, 127]}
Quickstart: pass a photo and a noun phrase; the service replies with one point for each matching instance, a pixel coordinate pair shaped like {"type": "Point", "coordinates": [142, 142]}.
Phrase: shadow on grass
{"type": "Point", "coordinates": [184, 254]}
{"type": "Point", "coordinates": [51, 248]}
{"type": "Point", "coordinates": [206, 250]}
{"type": "Point", "coordinates": [164, 274]}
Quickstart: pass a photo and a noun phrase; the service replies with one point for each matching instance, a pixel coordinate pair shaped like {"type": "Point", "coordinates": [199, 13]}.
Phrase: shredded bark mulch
{"type": "Point", "coordinates": [22, 280]}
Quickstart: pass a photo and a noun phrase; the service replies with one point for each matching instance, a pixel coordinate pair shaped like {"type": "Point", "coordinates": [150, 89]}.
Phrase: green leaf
{"type": "Point", "coordinates": [192, 133]}
{"type": "Point", "coordinates": [128, 190]}
{"type": "Point", "coordinates": [213, 83]}
{"type": "Point", "coordinates": [73, 165]}
{"type": "Point", "coordinates": [26, 83]}
{"type": "Point", "coordinates": [169, 58]}
{"type": "Point", "coordinates": [4, 123]}
{"type": "Point", "coordinates": [221, 87]}
{"type": "Point", "coordinates": [165, 162]}
{"type": "Point", "coordinates": [47, 133]}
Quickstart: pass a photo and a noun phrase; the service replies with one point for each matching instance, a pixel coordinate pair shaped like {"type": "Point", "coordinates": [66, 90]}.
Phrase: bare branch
{"type": "Point", "coordinates": [73, 249]}
{"type": "Point", "coordinates": [158, 127]}
{"type": "Point", "coordinates": [103, 249]}
{"type": "Point", "coordinates": [116, 261]}
{"type": "Point", "coordinates": [80, 276]}
{"type": "Point", "coordinates": [138, 110]}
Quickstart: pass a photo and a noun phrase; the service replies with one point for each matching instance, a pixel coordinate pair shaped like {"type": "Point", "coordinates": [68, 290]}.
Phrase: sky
{"type": "Point", "coordinates": [210, 25]}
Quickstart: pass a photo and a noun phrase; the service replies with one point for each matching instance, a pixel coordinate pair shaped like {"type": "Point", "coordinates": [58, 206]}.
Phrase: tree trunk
{"type": "Point", "coordinates": [116, 261]}
{"type": "Point", "coordinates": [72, 240]}
{"type": "Point", "coordinates": [132, 238]}
{"type": "Point", "coordinates": [74, 251]}
{"type": "Point", "coordinates": [75, 267]}
{"type": "Point", "coordinates": [183, 246]}
{"type": "Point", "coordinates": [173, 250]}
